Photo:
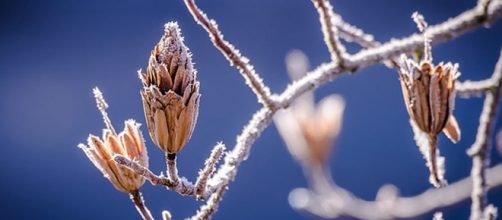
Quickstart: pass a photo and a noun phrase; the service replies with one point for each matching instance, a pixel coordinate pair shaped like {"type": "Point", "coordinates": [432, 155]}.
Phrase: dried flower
{"type": "Point", "coordinates": [429, 96]}
{"type": "Point", "coordinates": [310, 132]}
{"type": "Point", "coordinates": [170, 92]}
{"type": "Point", "coordinates": [129, 143]}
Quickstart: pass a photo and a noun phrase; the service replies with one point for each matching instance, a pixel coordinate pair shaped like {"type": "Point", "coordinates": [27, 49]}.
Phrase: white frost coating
{"type": "Point", "coordinates": [330, 31]}
{"type": "Point", "coordinates": [208, 170]}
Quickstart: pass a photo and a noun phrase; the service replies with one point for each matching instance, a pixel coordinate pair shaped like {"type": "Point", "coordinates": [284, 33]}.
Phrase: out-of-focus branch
{"type": "Point", "coordinates": [480, 150]}
{"type": "Point", "coordinates": [232, 55]}
{"type": "Point", "coordinates": [330, 31]}
{"type": "Point", "coordinates": [336, 201]}
{"type": "Point", "coordinates": [166, 215]}
{"type": "Point", "coordinates": [474, 88]}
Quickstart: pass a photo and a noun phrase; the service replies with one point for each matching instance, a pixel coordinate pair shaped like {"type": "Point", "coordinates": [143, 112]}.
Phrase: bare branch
{"type": "Point", "coordinates": [183, 186]}
{"type": "Point", "coordinates": [480, 150]}
{"type": "Point", "coordinates": [325, 72]}
{"type": "Point", "coordinates": [351, 33]}
{"type": "Point", "coordinates": [233, 55]}
{"type": "Point", "coordinates": [339, 202]}
{"type": "Point", "coordinates": [447, 30]}
{"type": "Point", "coordinates": [330, 31]}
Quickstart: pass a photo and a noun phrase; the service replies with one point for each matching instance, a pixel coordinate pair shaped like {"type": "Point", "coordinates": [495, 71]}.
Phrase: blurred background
{"type": "Point", "coordinates": [53, 52]}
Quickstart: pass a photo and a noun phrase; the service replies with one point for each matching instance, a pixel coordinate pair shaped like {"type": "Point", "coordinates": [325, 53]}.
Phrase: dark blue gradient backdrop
{"type": "Point", "coordinates": [53, 52]}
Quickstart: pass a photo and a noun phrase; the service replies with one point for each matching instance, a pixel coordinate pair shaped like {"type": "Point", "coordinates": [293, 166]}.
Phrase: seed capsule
{"type": "Point", "coordinates": [129, 143]}
{"type": "Point", "coordinates": [429, 95]}
{"type": "Point", "coordinates": [170, 92]}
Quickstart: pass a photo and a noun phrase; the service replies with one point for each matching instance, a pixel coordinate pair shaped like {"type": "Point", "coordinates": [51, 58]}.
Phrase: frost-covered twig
{"type": "Point", "coordinates": [227, 172]}
{"type": "Point", "coordinates": [139, 202]}
{"type": "Point", "coordinates": [351, 33]}
{"type": "Point", "coordinates": [480, 150]}
{"type": "Point", "coordinates": [336, 201]}
{"type": "Point", "coordinates": [183, 186]}
{"type": "Point", "coordinates": [102, 106]}
{"type": "Point", "coordinates": [232, 55]}
{"type": "Point", "coordinates": [330, 31]}
{"type": "Point", "coordinates": [206, 211]}
{"type": "Point", "coordinates": [209, 168]}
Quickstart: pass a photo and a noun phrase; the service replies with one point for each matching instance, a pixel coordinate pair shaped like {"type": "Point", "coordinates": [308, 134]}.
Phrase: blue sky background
{"type": "Point", "coordinates": [53, 52]}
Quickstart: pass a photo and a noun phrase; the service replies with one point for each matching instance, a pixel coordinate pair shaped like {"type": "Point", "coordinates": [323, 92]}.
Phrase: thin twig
{"type": "Point", "coordinates": [351, 33]}
{"type": "Point", "coordinates": [337, 201]}
{"type": "Point", "coordinates": [183, 187]}
{"type": "Point", "coordinates": [480, 150]}
{"type": "Point", "coordinates": [139, 203]}
{"type": "Point", "coordinates": [207, 211]}
{"type": "Point", "coordinates": [330, 31]}
{"type": "Point", "coordinates": [209, 168]}
{"type": "Point", "coordinates": [172, 169]}
{"type": "Point", "coordinates": [233, 56]}
{"type": "Point", "coordinates": [102, 106]}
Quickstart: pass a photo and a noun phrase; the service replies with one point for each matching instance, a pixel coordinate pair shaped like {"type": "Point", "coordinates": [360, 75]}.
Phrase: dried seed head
{"type": "Point", "coordinates": [129, 143]}
{"type": "Point", "coordinates": [170, 92]}
{"type": "Point", "coordinates": [429, 95]}
{"type": "Point", "coordinates": [309, 135]}
{"type": "Point", "coordinates": [322, 127]}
